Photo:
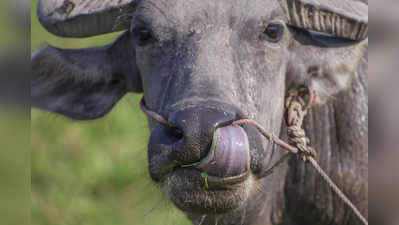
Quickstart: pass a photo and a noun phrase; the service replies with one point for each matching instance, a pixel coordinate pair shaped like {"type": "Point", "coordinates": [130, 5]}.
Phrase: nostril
{"type": "Point", "coordinates": [175, 133]}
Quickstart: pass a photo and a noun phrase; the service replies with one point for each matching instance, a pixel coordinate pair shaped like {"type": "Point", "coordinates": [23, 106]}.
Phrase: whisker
{"type": "Point", "coordinates": [260, 188]}
{"type": "Point", "coordinates": [202, 220]}
{"type": "Point", "coordinates": [157, 206]}
{"type": "Point", "coordinates": [243, 216]}
{"type": "Point", "coordinates": [216, 220]}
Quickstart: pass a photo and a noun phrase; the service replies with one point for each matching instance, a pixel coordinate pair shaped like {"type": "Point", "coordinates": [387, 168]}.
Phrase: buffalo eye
{"type": "Point", "coordinates": [273, 32]}
{"type": "Point", "coordinates": [143, 36]}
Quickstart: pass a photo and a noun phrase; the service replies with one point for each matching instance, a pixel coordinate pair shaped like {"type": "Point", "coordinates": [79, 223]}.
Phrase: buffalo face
{"type": "Point", "coordinates": [203, 72]}
{"type": "Point", "coordinates": [202, 65]}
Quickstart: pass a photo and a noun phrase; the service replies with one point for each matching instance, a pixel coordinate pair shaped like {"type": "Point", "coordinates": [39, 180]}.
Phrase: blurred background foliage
{"type": "Point", "coordinates": [93, 173]}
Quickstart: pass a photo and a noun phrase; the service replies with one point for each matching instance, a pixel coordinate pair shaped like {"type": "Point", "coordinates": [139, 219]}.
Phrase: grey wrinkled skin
{"type": "Point", "coordinates": [212, 56]}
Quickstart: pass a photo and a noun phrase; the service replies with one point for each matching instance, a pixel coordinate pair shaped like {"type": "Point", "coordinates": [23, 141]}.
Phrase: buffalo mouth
{"type": "Point", "coordinates": [219, 182]}
{"type": "Point", "coordinates": [186, 188]}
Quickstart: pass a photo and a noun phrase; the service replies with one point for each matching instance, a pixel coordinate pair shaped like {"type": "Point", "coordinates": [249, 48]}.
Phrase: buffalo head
{"type": "Point", "coordinates": [201, 64]}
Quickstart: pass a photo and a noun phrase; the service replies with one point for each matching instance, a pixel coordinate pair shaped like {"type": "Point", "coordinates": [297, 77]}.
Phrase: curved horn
{"type": "Point", "coordinates": [85, 18]}
{"type": "Point", "coordinates": [340, 18]}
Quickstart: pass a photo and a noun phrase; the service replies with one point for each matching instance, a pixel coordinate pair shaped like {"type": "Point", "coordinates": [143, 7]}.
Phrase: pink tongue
{"type": "Point", "coordinates": [229, 153]}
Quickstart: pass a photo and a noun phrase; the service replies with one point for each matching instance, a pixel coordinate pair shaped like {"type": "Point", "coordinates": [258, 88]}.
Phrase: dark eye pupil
{"type": "Point", "coordinates": [144, 34]}
{"type": "Point", "coordinates": [274, 32]}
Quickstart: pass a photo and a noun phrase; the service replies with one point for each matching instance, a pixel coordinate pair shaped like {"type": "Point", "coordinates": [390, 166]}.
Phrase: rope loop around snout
{"type": "Point", "coordinates": [160, 119]}
{"type": "Point", "coordinates": [297, 103]}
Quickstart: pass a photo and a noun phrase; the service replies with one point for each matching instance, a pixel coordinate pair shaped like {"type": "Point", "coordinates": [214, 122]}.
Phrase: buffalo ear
{"type": "Point", "coordinates": [323, 63]}
{"type": "Point", "coordinates": [84, 84]}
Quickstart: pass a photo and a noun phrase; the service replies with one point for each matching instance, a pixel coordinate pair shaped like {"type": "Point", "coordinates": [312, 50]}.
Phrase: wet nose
{"type": "Point", "coordinates": [192, 130]}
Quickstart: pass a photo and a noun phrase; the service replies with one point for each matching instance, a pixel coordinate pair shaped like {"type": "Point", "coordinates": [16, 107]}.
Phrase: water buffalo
{"type": "Point", "coordinates": [205, 63]}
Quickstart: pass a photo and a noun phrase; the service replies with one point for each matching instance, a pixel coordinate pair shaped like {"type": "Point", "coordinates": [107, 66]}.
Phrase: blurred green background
{"type": "Point", "coordinates": [93, 173]}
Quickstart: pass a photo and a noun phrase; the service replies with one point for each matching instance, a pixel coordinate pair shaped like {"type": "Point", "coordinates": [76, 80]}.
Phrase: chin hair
{"type": "Point", "coordinates": [191, 196]}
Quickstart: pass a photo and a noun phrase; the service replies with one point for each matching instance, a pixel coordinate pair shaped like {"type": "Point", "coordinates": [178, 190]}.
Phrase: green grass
{"type": "Point", "coordinates": [93, 173]}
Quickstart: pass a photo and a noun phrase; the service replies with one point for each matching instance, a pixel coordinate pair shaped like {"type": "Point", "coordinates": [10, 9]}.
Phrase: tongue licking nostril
{"type": "Point", "coordinates": [229, 153]}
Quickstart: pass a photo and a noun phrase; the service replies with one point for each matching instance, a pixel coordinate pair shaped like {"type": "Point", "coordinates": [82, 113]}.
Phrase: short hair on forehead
{"type": "Point", "coordinates": [151, 11]}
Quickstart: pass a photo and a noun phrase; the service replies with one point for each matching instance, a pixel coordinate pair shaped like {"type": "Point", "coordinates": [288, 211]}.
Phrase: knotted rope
{"type": "Point", "coordinates": [296, 107]}
{"type": "Point", "coordinates": [296, 110]}
{"type": "Point", "coordinates": [297, 104]}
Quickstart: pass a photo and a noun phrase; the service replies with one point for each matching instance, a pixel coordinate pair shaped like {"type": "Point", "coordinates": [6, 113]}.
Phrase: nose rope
{"type": "Point", "coordinates": [297, 103]}
{"type": "Point", "coordinates": [160, 119]}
